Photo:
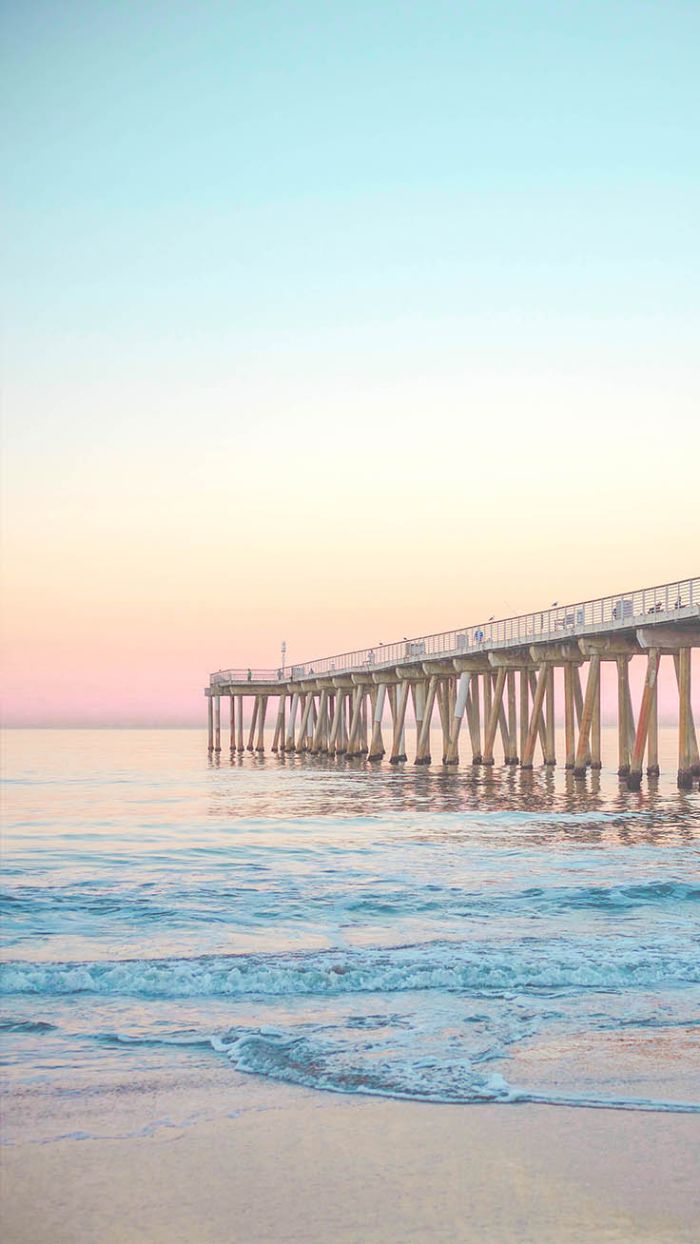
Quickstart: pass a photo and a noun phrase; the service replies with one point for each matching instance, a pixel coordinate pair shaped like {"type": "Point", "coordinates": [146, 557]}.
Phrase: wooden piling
{"type": "Point", "coordinates": [692, 737]}
{"type": "Point", "coordinates": [524, 709]}
{"type": "Point", "coordinates": [423, 756]}
{"type": "Point", "coordinates": [307, 701]}
{"type": "Point", "coordinates": [443, 696]}
{"type": "Point", "coordinates": [512, 754]}
{"type": "Point", "coordinates": [541, 734]}
{"type": "Point", "coordinates": [534, 727]}
{"type": "Point", "coordinates": [550, 757]}
{"type": "Point", "coordinates": [473, 710]}
{"type": "Point", "coordinates": [685, 718]}
{"type": "Point", "coordinates": [290, 744]}
{"type": "Point", "coordinates": [634, 777]}
{"type": "Point", "coordinates": [591, 698]}
{"type": "Point", "coordinates": [376, 750]}
{"type": "Point", "coordinates": [250, 745]}
{"type": "Point", "coordinates": [487, 687]}
{"type": "Point", "coordinates": [317, 743]}
{"type": "Point", "coordinates": [594, 752]}
{"type": "Point", "coordinates": [622, 717]}
{"type": "Point", "coordinates": [569, 715]}
{"type": "Point", "coordinates": [210, 723]}
{"type": "Point", "coordinates": [353, 747]}
{"type": "Point", "coordinates": [278, 727]}
{"type": "Point", "coordinates": [398, 753]}
{"type": "Point", "coordinates": [344, 710]}
{"type": "Point", "coordinates": [260, 743]}
{"type": "Point", "coordinates": [217, 723]}
{"type": "Point", "coordinates": [495, 698]}
{"type": "Point", "coordinates": [653, 733]}
{"type": "Point", "coordinates": [462, 691]}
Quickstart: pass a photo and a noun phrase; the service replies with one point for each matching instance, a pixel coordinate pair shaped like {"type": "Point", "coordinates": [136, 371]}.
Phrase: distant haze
{"type": "Point", "coordinates": [336, 323]}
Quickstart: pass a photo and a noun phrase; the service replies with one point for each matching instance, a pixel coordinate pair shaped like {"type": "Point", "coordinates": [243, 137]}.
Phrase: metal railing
{"type": "Point", "coordinates": [607, 613]}
{"type": "Point", "coordinates": [249, 675]}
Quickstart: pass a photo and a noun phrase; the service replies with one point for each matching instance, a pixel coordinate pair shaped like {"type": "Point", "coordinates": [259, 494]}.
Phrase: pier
{"type": "Point", "coordinates": [487, 682]}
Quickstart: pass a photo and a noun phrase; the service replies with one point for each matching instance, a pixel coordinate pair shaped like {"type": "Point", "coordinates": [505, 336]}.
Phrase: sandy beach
{"type": "Point", "coordinates": [274, 1162]}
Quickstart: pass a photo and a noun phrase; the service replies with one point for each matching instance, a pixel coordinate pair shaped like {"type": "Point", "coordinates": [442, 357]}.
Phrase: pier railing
{"type": "Point", "coordinates": [607, 613]}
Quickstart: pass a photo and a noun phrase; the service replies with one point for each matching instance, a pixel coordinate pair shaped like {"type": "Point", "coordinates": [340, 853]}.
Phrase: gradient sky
{"type": "Point", "coordinates": [336, 322]}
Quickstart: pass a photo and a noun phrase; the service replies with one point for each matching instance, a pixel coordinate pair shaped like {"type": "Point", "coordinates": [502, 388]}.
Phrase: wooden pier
{"type": "Point", "coordinates": [487, 682]}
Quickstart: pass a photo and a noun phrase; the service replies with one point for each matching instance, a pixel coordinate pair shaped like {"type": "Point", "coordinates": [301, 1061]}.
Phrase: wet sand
{"type": "Point", "coordinates": [295, 1165]}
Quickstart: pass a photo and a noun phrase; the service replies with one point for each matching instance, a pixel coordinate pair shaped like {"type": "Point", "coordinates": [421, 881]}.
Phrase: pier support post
{"type": "Point", "coordinates": [534, 727]}
{"type": "Point", "coordinates": [290, 744]}
{"type": "Point", "coordinates": [210, 723]}
{"type": "Point", "coordinates": [452, 757]}
{"type": "Point", "coordinates": [278, 740]}
{"type": "Point", "coordinates": [398, 752]}
{"type": "Point", "coordinates": [364, 737]}
{"type": "Point", "coordinates": [474, 719]}
{"type": "Point", "coordinates": [239, 727]}
{"type": "Point", "coordinates": [253, 723]}
{"type": "Point", "coordinates": [595, 746]}
{"type": "Point", "coordinates": [318, 743]}
{"type": "Point", "coordinates": [306, 706]}
{"type": "Point", "coordinates": [495, 698]}
{"type": "Point", "coordinates": [653, 733]}
{"type": "Point", "coordinates": [423, 756]}
{"type": "Point", "coordinates": [685, 721]}
{"type": "Point", "coordinates": [232, 722]}
{"type": "Point", "coordinates": [569, 714]}
{"type": "Point", "coordinates": [217, 723]}
{"type": "Point", "coordinates": [578, 705]}
{"type": "Point", "coordinates": [512, 752]}
{"type": "Point", "coordinates": [592, 697]}
{"type": "Point", "coordinates": [376, 750]}
{"type": "Point", "coordinates": [550, 757]}
{"type": "Point", "coordinates": [311, 724]}
{"type": "Point", "coordinates": [634, 778]}
{"type": "Point", "coordinates": [623, 745]}
{"type": "Point", "coordinates": [344, 703]}
{"type": "Point", "coordinates": [418, 697]}
{"type": "Point", "coordinates": [335, 724]}
{"type": "Point", "coordinates": [692, 739]}
{"type": "Point", "coordinates": [541, 734]}
{"type": "Point", "coordinates": [355, 723]}
{"type": "Point", "coordinates": [262, 710]}
{"type": "Point", "coordinates": [524, 709]}
{"type": "Point", "coordinates": [488, 698]}
{"type": "Point", "coordinates": [444, 703]}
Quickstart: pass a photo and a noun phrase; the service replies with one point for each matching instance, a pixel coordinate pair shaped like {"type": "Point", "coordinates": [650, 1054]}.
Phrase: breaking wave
{"type": "Point", "coordinates": [476, 968]}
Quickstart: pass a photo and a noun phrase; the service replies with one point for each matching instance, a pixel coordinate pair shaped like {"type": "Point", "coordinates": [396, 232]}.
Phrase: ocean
{"type": "Point", "coordinates": [468, 935]}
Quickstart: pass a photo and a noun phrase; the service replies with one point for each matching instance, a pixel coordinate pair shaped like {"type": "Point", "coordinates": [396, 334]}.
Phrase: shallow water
{"type": "Point", "coordinates": [469, 935]}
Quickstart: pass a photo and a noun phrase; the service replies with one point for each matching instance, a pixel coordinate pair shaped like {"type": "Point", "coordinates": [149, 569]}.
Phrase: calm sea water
{"type": "Point", "coordinates": [458, 936]}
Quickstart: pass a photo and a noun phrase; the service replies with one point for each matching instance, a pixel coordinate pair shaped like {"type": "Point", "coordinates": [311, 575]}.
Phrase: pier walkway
{"type": "Point", "coordinates": [498, 676]}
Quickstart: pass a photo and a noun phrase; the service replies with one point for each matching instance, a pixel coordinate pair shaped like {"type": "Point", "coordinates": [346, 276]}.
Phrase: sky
{"type": "Point", "coordinates": [335, 323]}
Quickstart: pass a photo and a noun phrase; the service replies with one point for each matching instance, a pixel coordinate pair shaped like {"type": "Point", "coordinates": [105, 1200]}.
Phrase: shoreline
{"type": "Point", "coordinates": [278, 1162]}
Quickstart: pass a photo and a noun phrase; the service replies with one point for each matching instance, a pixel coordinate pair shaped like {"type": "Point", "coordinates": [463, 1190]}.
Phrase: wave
{"type": "Point", "coordinates": [195, 904]}
{"type": "Point", "coordinates": [26, 1025]}
{"type": "Point", "coordinates": [499, 967]}
{"type": "Point", "coordinates": [302, 1060]}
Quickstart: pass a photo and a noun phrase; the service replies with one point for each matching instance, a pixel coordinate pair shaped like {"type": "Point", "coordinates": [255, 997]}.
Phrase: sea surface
{"type": "Point", "coordinates": [469, 935]}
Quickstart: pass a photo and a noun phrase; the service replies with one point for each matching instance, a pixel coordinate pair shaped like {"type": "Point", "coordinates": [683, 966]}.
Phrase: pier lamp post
{"type": "Point", "coordinates": [283, 650]}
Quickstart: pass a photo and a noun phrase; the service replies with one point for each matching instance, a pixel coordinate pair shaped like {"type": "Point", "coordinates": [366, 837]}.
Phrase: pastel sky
{"type": "Point", "coordinates": [335, 323]}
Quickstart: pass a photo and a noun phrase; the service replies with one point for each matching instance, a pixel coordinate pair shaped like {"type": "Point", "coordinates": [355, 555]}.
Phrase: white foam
{"type": "Point", "coordinates": [610, 963]}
